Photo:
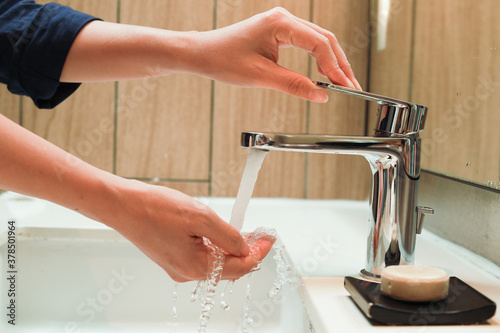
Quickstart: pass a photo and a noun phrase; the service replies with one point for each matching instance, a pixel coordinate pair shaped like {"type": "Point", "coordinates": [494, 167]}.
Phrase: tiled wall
{"type": "Point", "coordinates": [183, 131]}
{"type": "Point", "coordinates": [461, 56]}
{"type": "Point", "coordinates": [443, 54]}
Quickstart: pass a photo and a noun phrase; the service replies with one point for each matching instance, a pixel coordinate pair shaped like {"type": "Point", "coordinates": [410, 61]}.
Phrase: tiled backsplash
{"type": "Point", "coordinates": [184, 130]}
{"type": "Point", "coordinates": [465, 214]}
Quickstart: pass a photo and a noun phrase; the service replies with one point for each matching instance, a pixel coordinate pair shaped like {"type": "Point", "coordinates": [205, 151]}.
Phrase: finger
{"type": "Point", "coordinates": [306, 38]}
{"type": "Point", "coordinates": [283, 79]}
{"type": "Point", "coordinates": [236, 267]}
{"type": "Point", "coordinates": [341, 59]}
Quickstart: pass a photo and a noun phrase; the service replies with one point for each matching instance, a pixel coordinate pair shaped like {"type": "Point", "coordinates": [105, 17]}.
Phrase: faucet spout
{"type": "Point", "coordinates": [395, 165]}
{"type": "Point", "coordinates": [394, 158]}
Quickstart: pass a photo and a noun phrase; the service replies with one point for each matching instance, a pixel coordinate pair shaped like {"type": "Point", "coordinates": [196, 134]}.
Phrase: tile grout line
{"type": "Point", "coordinates": [115, 108]}
{"type": "Point", "coordinates": [412, 50]}
{"type": "Point", "coordinates": [212, 115]}
{"type": "Point", "coordinates": [308, 109]}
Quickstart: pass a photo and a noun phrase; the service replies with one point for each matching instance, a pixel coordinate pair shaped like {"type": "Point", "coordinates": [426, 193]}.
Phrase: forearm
{"type": "Point", "coordinates": [35, 167]}
{"type": "Point", "coordinates": [105, 51]}
{"type": "Point", "coordinates": [244, 54]}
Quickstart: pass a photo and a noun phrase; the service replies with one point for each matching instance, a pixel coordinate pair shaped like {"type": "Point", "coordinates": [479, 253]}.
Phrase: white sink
{"type": "Point", "coordinates": [83, 280]}
{"type": "Point", "coordinates": [76, 275]}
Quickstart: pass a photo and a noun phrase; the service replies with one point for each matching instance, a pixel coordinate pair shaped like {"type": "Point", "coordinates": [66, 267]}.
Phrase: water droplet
{"type": "Point", "coordinates": [223, 302]}
{"type": "Point", "coordinates": [210, 284]}
{"type": "Point", "coordinates": [246, 306]}
{"type": "Point", "coordinates": [174, 299]}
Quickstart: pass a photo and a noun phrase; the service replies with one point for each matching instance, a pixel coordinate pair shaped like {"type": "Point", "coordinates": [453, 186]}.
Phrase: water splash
{"type": "Point", "coordinates": [284, 272]}
{"type": "Point", "coordinates": [247, 320]}
{"type": "Point", "coordinates": [196, 295]}
{"type": "Point", "coordinates": [223, 303]}
{"type": "Point", "coordinates": [210, 285]}
{"type": "Point", "coordinates": [205, 290]}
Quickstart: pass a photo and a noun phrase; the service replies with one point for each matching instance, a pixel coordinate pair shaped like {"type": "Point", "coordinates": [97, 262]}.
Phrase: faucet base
{"type": "Point", "coordinates": [369, 276]}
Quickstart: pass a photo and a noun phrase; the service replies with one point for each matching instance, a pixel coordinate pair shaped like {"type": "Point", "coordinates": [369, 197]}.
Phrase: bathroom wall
{"type": "Point", "coordinates": [183, 131]}
{"type": "Point", "coordinates": [443, 54]}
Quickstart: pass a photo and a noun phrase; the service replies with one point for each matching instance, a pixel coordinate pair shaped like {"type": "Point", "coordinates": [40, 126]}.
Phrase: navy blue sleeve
{"type": "Point", "coordinates": [34, 43]}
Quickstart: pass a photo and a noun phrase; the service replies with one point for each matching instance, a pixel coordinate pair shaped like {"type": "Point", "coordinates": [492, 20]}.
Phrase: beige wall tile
{"type": "Point", "coordinates": [9, 104]}
{"type": "Point", "coordinates": [163, 125]}
{"type": "Point", "coordinates": [340, 176]}
{"type": "Point", "coordinates": [240, 109]}
{"type": "Point", "coordinates": [457, 75]}
{"type": "Point", "coordinates": [83, 124]}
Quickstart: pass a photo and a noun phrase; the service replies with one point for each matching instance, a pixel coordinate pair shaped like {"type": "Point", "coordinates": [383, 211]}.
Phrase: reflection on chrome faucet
{"type": "Point", "coordinates": [393, 154]}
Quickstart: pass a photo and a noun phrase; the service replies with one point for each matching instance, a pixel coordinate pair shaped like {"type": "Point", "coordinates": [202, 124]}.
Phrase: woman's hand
{"type": "Point", "coordinates": [169, 227]}
{"type": "Point", "coordinates": [246, 54]}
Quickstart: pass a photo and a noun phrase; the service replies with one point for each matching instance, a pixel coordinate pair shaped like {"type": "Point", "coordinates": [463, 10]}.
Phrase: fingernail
{"type": "Point", "coordinates": [269, 238]}
{"type": "Point", "coordinates": [318, 95]}
{"type": "Point", "coordinates": [358, 85]}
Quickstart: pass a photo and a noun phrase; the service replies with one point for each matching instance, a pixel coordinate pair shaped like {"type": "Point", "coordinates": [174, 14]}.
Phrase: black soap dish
{"type": "Point", "coordinates": [464, 305]}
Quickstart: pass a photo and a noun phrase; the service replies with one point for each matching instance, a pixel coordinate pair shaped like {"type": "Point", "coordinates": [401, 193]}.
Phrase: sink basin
{"type": "Point", "coordinates": [75, 275]}
{"type": "Point", "coordinates": [84, 280]}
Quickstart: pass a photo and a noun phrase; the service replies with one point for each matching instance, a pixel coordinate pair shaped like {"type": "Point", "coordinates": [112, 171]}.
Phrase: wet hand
{"type": "Point", "coordinates": [169, 227]}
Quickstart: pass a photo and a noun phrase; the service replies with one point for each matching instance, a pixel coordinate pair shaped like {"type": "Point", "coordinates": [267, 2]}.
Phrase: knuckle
{"type": "Point", "coordinates": [294, 86]}
{"type": "Point", "coordinates": [346, 67]}
{"type": "Point", "coordinates": [332, 70]}
{"type": "Point", "coordinates": [277, 14]}
{"type": "Point", "coordinates": [323, 42]}
{"type": "Point", "coordinates": [199, 218]}
{"type": "Point", "coordinates": [331, 36]}
{"type": "Point", "coordinates": [235, 239]}
{"type": "Point", "coordinates": [280, 11]}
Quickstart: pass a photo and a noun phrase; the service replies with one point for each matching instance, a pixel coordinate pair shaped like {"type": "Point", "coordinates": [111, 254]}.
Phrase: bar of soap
{"type": "Point", "coordinates": [414, 283]}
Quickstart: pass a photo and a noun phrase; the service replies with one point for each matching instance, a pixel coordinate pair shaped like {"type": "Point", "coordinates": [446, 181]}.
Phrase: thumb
{"type": "Point", "coordinates": [223, 235]}
{"type": "Point", "coordinates": [235, 267]}
{"type": "Point", "coordinates": [293, 83]}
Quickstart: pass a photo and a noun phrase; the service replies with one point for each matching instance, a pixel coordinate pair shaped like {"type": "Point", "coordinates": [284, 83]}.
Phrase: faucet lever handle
{"type": "Point", "coordinates": [395, 116]}
{"type": "Point", "coordinates": [421, 211]}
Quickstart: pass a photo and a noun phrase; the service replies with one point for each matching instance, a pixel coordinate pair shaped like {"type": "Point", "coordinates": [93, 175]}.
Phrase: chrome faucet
{"type": "Point", "coordinates": [393, 154]}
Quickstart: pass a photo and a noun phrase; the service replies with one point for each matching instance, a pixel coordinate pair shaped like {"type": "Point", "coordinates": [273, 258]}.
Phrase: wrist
{"type": "Point", "coordinates": [112, 200]}
{"type": "Point", "coordinates": [186, 52]}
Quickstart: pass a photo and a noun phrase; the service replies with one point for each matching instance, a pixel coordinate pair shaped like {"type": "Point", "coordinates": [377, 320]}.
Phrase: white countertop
{"type": "Point", "coordinates": [325, 239]}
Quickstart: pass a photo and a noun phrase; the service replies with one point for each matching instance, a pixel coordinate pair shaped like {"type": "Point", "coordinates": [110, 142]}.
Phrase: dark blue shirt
{"type": "Point", "coordinates": [34, 43]}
